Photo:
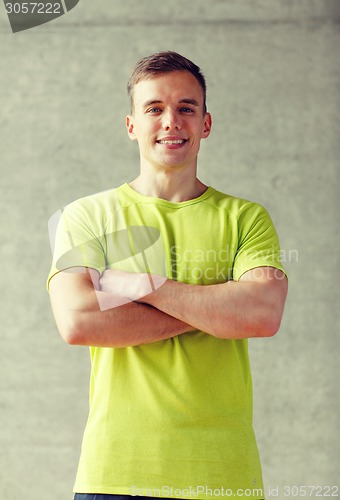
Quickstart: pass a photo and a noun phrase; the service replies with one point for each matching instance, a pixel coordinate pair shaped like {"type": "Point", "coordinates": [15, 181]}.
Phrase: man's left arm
{"type": "Point", "coordinates": [250, 307]}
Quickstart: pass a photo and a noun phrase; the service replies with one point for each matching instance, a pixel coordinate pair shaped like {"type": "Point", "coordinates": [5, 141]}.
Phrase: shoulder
{"type": "Point", "coordinates": [94, 205]}
{"type": "Point", "coordinates": [236, 206]}
{"type": "Point", "coordinates": [92, 200]}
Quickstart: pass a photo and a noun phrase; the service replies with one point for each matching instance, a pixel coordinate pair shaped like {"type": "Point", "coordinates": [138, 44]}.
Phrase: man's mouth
{"type": "Point", "coordinates": [170, 142]}
{"type": "Point", "coordinates": [167, 141]}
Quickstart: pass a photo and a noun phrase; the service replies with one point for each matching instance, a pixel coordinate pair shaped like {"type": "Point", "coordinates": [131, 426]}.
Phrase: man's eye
{"type": "Point", "coordinates": [186, 110]}
{"type": "Point", "coordinates": [154, 110]}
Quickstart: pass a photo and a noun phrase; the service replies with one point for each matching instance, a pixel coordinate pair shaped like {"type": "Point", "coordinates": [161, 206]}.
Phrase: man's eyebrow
{"type": "Point", "coordinates": [186, 100]}
{"type": "Point", "coordinates": [189, 101]}
{"type": "Point", "coordinates": [152, 101]}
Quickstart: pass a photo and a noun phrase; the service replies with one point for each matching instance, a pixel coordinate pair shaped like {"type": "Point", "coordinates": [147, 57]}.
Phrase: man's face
{"type": "Point", "coordinates": [168, 120]}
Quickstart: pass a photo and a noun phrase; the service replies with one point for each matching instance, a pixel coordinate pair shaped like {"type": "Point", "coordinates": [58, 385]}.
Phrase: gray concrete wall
{"type": "Point", "coordinates": [273, 75]}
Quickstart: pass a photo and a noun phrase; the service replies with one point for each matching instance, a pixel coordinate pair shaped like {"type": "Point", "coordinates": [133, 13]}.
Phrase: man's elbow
{"type": "Point", "coordinates": [71, 330]}
{"type": "Point", "coordinates": [71, 338]}
{"type": "Point", "coordinates": [271, 313]}
{"type": "Point", "coordinates": [269, 327]}
{"type": "Point", "coordinates": [269, 323]}
{"type": "Point", "coordinates": [265, 323]}
{"type": "Point", "coordinates": [266, 326]}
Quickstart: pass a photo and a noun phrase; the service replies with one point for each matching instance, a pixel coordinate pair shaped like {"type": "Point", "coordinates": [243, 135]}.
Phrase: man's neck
{"type": "Point", "coordinates": [169, 186]}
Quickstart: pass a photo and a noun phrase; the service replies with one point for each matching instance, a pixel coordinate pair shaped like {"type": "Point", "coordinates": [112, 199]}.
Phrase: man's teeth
{"type": "Point", "coordinates": [177, 141]}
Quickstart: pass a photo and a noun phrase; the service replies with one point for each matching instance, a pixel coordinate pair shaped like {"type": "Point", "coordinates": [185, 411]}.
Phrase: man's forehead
{"type": "Point", "coordinates": [181, 86]}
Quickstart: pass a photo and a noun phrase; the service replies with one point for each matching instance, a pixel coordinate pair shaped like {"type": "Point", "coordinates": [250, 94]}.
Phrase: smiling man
{"type": "Point", "coordinates": [165, 279]}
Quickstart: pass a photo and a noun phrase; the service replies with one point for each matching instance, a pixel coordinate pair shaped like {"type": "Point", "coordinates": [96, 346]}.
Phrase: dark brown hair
{"type": "Point", "coordinates": [164, 62]}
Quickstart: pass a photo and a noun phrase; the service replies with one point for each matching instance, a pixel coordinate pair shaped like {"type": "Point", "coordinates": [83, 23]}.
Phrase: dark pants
{"type": "Point", "coordinates": [95, 496]}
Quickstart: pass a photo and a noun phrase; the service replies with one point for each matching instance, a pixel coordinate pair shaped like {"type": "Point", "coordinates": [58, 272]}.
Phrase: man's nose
{"type": "Point", "coordinates": [171, 120]}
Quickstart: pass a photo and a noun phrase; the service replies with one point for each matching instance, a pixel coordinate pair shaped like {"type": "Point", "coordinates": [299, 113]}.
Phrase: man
{"type": "Point", "coordinates": [165, 279]}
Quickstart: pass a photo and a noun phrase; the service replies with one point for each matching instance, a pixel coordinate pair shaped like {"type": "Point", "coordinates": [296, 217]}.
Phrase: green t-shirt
{"type": "Point", "coordinates": [172, 418]}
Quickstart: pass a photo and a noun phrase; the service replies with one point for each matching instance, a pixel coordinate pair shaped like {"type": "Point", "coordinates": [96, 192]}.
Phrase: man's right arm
{"type": "Point", "coordinates": [81, 321]}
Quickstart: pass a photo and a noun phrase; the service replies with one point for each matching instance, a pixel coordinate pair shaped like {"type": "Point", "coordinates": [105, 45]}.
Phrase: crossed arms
{"type": "Point", "coordinates": [250, 307]}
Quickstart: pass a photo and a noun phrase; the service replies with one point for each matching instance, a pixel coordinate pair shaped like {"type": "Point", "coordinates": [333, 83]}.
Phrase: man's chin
{"type": "Point", "coordinates": [171, 162]}
{"type": "Point", "coordinates": [170, 166]}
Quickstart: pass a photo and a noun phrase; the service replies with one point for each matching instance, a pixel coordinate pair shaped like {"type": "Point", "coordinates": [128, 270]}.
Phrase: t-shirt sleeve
{"type": "Point", "coordinates": [258, 241]}
{"type": "Point", "coordinates": [75, 240]}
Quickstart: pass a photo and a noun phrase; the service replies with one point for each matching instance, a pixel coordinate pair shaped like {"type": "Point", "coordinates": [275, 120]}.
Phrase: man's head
{"type": "Point", "coordinates": [164, 62]}
{"type": "Point", "coordinates": [169, 116]}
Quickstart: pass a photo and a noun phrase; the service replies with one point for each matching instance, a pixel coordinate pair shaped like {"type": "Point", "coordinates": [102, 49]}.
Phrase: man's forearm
{"type": "Point", "coordinates": [128, 325]}
{"type": "Point", "coordinates": [230, 310]}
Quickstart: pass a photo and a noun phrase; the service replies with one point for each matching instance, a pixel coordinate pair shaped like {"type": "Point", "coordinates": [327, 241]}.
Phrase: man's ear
{"type": "Point", "coordinates": [130, 127]}
{"type": "Point", "coordinates": [207, 125]}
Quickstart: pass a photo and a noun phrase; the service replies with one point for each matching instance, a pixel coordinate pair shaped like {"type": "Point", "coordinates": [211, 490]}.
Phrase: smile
{"type": "Point", "coordinates": [170, 142]}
